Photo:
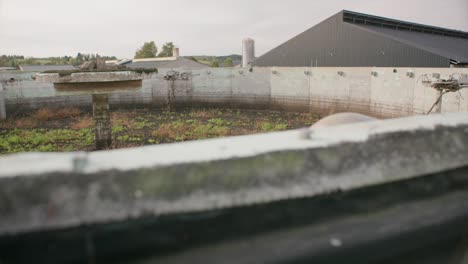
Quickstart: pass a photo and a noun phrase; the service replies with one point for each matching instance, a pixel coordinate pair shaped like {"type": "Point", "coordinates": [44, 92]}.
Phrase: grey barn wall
{"type": "Point", "coordinates": [360, 47]}
{"type": "Point", "coordinates": [391, 93]}
{"type": "Point", "coordinates": [336, 43]}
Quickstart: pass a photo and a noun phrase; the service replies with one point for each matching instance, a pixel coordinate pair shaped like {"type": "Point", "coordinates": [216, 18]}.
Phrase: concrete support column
{"type": "Point", "coordinates": [103, 126]}
{"type": "Point", "coordinates": [2, 104]}
{"type": "Point", "coordinates": [438, 107]}
{"type": "Point", "coordinates": [170, 94]}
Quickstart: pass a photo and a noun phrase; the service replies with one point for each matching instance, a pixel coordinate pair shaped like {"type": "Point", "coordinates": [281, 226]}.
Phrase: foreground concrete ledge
{"type": "Point", "coordinates": [93, 77]}
{"type": "Point", "coordinates": [49, 191]}
{"type": "Point", "coordinates": [24, 164]}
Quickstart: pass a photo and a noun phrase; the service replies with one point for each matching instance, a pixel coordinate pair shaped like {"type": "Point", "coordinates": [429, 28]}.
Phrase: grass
{"type": "Point", "coordinates": [26, 122]}
{"type": "Point", "coordinates": [84, 122]}
{"type": "Point", "coordinates": [173, 131]}
{"type": "Point", "coordinates": [121, 118]}
{"type": "Point", "coordinates": [269, 126]}
{"type": "Point", "coordinates": [20, 140]}
{"type": "Point", "coordinates": [69, 130]}
{"type": "Point", "coordinates": [45, 114]}
{"type": "Point", "coordinates": [203, 113]}
{"type": "Point", "coordinates": [127, 138]}
{"type": "Point", "coordinates": [141, 123]}
{"type": "Point", "coordinates": [124, 121]}
{"type": "Point", "coordinates": [117, 129]}
{"type": "Point", "coordinates": [191, 130]}
{"type": "Point", "coordinates": [219, 122]}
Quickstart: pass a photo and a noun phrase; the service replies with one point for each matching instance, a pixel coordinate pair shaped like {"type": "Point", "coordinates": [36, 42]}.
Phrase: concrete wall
{"type": "Point", "coordinates": [106, 186]}
{"type": "Point", "coordinates": [79, 204]}
{"type": "Point", "coordinates": [389, 92]}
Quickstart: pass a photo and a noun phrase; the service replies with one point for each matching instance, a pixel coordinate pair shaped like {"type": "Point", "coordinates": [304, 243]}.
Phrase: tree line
{"type": "Point", "coordinates": [16, 60]}
{"type": "Point", "coordinates": [150, 50]}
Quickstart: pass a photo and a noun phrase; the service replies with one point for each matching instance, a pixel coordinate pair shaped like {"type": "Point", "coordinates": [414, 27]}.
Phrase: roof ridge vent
{"type": "Point", "coordinates": [364, 19]}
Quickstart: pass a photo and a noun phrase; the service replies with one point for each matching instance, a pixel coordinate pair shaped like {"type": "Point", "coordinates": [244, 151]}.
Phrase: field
{"type": "Point", "coordinates": [69, 129]}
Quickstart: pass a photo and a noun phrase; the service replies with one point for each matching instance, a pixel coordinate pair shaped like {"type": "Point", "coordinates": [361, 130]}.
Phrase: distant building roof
{"type": "Point", "coordinates": [353, 39]}
{"type": "Point", "coordinates": [118, 62]}
{"type": "Point", "coordinates": [42, 68]}
{"type": "Point", "coordinates": [169, 62]}
{"type": "Point", "coordinates": [454, 48]}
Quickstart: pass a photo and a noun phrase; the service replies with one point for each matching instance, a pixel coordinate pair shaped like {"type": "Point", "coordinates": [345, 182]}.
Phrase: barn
{"type": "Point", "coordinates": [350, 39]}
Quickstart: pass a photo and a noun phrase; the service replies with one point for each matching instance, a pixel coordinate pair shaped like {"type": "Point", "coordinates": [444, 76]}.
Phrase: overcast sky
{"type": "Point", "coordinates": [199, 27]}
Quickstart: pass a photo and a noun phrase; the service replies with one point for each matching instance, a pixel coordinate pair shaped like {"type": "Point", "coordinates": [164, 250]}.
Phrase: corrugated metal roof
{"type": "Point", "coordinates": [357, 40]}
{"type": "Point", "coordinates": [42, 68]}
{"type": "Point", "coordinates": [359, 18]}
{"type": "Point", "coordinates": [180, 62]}
{"type": "Point", "coordinates": [145, 64]}
{"type": "Point", "coordinates": [450, 47]}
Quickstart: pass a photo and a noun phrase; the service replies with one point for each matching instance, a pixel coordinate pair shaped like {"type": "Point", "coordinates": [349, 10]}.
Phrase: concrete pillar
{"type": "Point", "coordinates": [103, 126]}
{"type": "Point", "coordinates": [170, 94]}
{"type": "Point", "coordinates": [2, 103]}
{"type": "Point", "coordinates": [438, 107]}
{"type": "Point", "coordinates": [175, 52]}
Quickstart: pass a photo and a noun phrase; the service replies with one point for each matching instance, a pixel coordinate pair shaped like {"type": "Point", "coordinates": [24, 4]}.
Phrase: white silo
{"type": "Point", "coordinates": [248, 51]}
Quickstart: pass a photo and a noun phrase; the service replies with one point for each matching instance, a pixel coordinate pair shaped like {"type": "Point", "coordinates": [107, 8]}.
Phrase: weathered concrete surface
{"type": "Point", "coordinates": [251, 88]}
{"type": "Point", "coordinates": [50, 191]}
{"type": "Point", "coordinates": [83, 77]}
{"type": "Point", "coordinates": [17, 75]}
{"type": "Point", "coordinates": [331, 228]}
{"type": "Point", "coordinates": [297, 96]}
{"type": "Point", "coordinates": [73, 89]}
{"type": "Point", "coordinates": [88, 65]}
{"type": "Point", "coordinates": [212, 89]}
{"type": "Point", "coordinates": [389, 92]}
{"type": "Point", "coordinates": [102, 121]}
{"type": "Point", "coordinates": [393, 92]}
{"type": "Point", "coordinates": [368, 231]}
{"type": "Point", "coordinates": [341, 119]}
{"type": "Point", "coordinates": [335, 90]}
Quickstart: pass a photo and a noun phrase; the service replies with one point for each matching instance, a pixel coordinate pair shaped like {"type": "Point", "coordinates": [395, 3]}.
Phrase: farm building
{"type": "Point", "coordinates": [350, 39]}
{"type": "Point", "coordinates": [168, 62]}
{"type": "Point", "coordinates": [175, 61]}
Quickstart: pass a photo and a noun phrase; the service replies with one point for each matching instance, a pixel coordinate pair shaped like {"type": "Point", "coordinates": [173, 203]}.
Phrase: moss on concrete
{"type": "Point", "coordinates": [234, 175]}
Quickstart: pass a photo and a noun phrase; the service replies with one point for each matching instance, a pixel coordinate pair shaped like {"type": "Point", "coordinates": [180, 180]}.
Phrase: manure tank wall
{"type": "Point", "coordinates": [380, 92]}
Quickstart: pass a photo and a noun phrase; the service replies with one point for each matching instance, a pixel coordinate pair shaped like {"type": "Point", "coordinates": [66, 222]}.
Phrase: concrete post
{"type": "Point", "coordinates": [2, 104]}
{"type": "Point", "coordinates": [170, 94]}
{"type": "Point", "coordinates": [438, 107]}
{"type": "Point", "coordinates": [103, 126]}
